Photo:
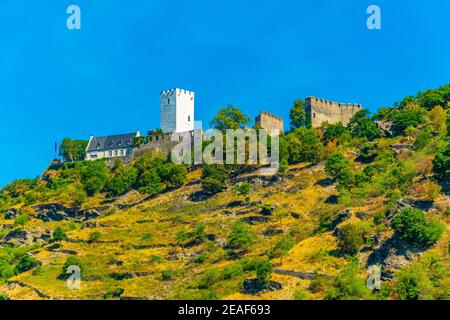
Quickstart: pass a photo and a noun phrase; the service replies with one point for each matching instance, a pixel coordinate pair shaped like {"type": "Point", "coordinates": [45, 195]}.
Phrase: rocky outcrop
{"type": "Point", "coordinates": [392, 255]}
{"type": "Point", "coordinates": [58, 212]}
{"type": "Point", "coordinates": [11, 214]}
{"type": "Point", "coordinates": [21, 237]}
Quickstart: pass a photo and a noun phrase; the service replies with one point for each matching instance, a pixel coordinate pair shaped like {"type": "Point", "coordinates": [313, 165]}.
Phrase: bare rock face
{"type": "Point", "coordinates": [392, 255]}
{"type": "Point", "coordinates": [11, 214]}
{"type": "Point", "coordinates": [58, 212]}
{"type": "Point", "coordinates": [386, 127]}
{"type": "Point", "coordinates": [23, 237]}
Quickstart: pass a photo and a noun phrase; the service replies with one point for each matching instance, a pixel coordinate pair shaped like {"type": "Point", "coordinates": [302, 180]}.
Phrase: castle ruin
{"type": "Point", "coordinates": [320, 111]}
{"type": "Point", "coordinates": [268, 121]}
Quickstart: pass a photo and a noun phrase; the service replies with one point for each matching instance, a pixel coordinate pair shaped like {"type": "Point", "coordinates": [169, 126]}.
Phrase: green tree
{"type": "Point", "coordinates": [414, 227]}
{"type": "Point", "coordinates": [22, 220]}
{"type": "Point", "coordinates": [347, 285]}
{"type": "Point", "coordinates": [243, 189]}
{"type": "Point", "coordinates": [173, 175]}
{"type": "Point", "coordinates": [405, 118]}
{"type": "Point", "coordinates": [122, 179]}
{"type": "Point", "coordinates": [350, 238]}
{"type": "Point", "coordinates": [263, 272]}
{"type": "Point", "coordinates": [423, 139]}
{"type": "Point", "coordinates": [94, 175]}
{"type": "Point", "coordinates": [441, 163]}
{"type": "Point", "coordinates": [336, 132]}
{"type": "Point", "coordinates": [214, 178]}
{"type": "Point", "coordinates": [73, 150]}
{"type": "Point", "coordinates": [25, 263]}
{"type": "Point", "coordinates": [240, 236]}
{"type": "Point", "coordinates": [229, 117]}
{"type": "Point", "coordinates": [59, 234]}
{"type": "Point", "coordinates": [304, 146]}
{"type": "Point", "coordinates": [298, 114]}
{"type": "Point", "coordinates": [281, 248]}
{"type": "Point", "coordinates": [338, 167]}
{"type": "Point", "coordinates": [361, 126]}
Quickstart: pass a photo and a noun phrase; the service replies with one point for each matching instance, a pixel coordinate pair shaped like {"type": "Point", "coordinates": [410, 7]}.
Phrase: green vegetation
{"type": "Point", "coordinates": [229, 117]}
{"type": "Point", "coordinates": [413, 226]}
{"type": "Point", "coordinates": [240, 236]}
{"type": "Point", "coordinates": [72, 150]}
{"type": "Point", "coordinates": [297, 114]}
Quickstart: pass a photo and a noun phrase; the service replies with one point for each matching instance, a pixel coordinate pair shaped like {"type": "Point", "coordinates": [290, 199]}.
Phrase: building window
{"type": "Point", "coordinates": [168, 101]}
{"type": "Point", "coordinates": [314, 115]}
{"type": "Point", "coordinates": [189, 118]}
{"type": "Point", "coordinates": [110, 153]}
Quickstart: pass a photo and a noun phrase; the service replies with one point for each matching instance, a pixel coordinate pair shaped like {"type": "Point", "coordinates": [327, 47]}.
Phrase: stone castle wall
{"type": "Point", "coordinates": [320, 111]}
{"type": "Point", "coordinates": [162, 143]}
{"type": "Point", "coordinates": [268, 121]}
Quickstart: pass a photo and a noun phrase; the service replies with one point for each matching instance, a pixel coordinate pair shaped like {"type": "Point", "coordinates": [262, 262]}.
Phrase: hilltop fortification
{"type": "Point", "coordinates": [320, 111]}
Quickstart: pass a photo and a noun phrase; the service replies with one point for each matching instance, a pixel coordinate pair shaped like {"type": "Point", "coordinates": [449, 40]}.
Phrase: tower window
{"type": "Point", "coordinates": [168, 101]}
{"type": "Point", "coordinates": [189, 118]}
{"type": "Point", "coordinates": [314, 115]}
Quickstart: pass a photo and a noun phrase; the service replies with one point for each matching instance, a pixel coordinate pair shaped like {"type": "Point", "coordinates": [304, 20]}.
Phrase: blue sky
{"type": "Point", "coordinates": [106, 77]}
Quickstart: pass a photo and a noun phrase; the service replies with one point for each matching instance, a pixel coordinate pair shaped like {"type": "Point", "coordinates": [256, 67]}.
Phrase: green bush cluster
{"type": "Point", "coordinates": [413, 226]}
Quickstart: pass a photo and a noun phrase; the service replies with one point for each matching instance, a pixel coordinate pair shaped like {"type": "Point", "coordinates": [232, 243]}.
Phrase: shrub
{"type": "Point", "coordinates": [281, 248]}
{"type": "Point", "coordinates": [423, 139]}
{"type": "Point", "coordinates": [94, 175]}
{"type": "Point", "coordinates": [338, 167]}
{"type": "Point", "coordinates": [59, 234]}
{"type": "Point", "coordinates": [263, 272]}
{"type": "Point", "coordinates": [350, 238]}
{"type": "Point", "coordinates": [347, 285]}
{"type": "Point", "coordinates": [173, 175]}
{"type": "Point", "coordinates": [25, 263]}
{"type": "Point", "coordinates": [115, 293]}
{"type": "Point", "coordinates": [413, 227]}
{"type": "Point", "coordinates": [71, 261]}
{"type": "Point", "coordinates": [196, 236]}
{"type": "Point", "coordinates": [441, 163]}
{"type": "Point", "coordinates": [240, 236]}
{"type": "Point", "coordinates": [95, 236]}
{"type": "Point", "coordinates": [337, 132]}
{"type": "Point", "coordinates": [212, 185]}
{"type": "Point", "coordinates": [405, 118]}
{"type": "Point", "coordinates": [243, 189]}
{"type": "Point", "coordinates": [304, 146]}
{"type": "Point", "coordinates": [22, 220]}
{"type": "Point", "coordinates": [361, 126]}
{"type": "Point", "coordinates": [167, 275]}
{"type": "Point", "coordinates": [214, 178]}
{"type": "Point", "coordinates": [122, 180]}
{"type": "Point", "coordinates": [72, 150]}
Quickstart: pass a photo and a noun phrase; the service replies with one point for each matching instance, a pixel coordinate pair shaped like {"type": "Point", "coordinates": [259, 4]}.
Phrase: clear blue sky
{"type": "Point", "coordinates": [106, 77]}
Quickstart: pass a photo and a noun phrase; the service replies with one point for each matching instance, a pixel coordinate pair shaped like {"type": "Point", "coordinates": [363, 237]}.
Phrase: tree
{"type": "Point", "coordinates": [59, 234]}
{"type": "Point", "coordinates": [263, 273]}
{"type": "Point", "coordinates": [25, 263]}
{"type": "Point", "coordinates": [243, 189]}
{"type": "Point", "coordinates": [229, 117]}
{"type": "Point", "coordinates": [281, 248]}
{"type": "Point", "coordinates": [350, 239]}
{"type": "Point", "coordinates": [73, 150]}
{"type": "Point", "coordinates": [338, 167]}
{"type": "Point", "coordinates": [441, 163]}
{"type": "Point", "coordinates": [413, 226]}
{"type": "Point", "coordinates": [173, 175]}
{"type": "Point", "coordinates": [336, 132]}
{"type": "Point", "coordinates": [122, 180]}
{"type": "Point", "coordinates": [214, 178]}
{"type": "Point", "coordinates": [304, 146]}
{"type": "Point", "coordinates": [361, 126]}
{"type": "Point", "coordinates": [94, 175]}
{"type": "Point", "coordinates": [438, 119]}
{"type": "Point", "coordinates": [22, 220]}
{"type": "Point", "coordinates": [405, 118]}
{"type": "Point", "coordinates": [298, 114]}
{"type": "Point", "coordinates": [347, 285]}
{"type": "Point", "coordinates": [240, 236]}
{"type": "Point", "coordinates": [423, 139]}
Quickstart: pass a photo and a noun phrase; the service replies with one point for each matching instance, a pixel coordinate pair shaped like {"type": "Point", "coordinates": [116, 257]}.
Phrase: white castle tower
{"type": "Point", "coordinates": [177, 110]}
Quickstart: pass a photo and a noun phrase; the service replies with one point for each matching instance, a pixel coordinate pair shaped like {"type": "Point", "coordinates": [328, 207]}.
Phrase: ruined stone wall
{"type": "Point", "coordinates": [320, 111]}
{"type": "Point", "coordinates": [269, 121]}
{"type": "Point", "coordinates": [162, 143]}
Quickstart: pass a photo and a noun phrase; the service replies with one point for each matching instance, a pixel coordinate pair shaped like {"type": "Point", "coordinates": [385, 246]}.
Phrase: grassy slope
{"type": "Point", "coordinates": [143, 238]}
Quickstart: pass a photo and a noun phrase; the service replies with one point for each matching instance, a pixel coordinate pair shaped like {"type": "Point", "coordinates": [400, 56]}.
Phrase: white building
{"type": "Point", "coordinates": [177, 110]}
{"type": "Point", "coordinates": [120, 145]}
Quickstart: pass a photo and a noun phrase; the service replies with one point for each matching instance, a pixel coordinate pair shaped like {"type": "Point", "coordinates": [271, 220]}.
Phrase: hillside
{"type": "Point", "coordinates": [375, 193]}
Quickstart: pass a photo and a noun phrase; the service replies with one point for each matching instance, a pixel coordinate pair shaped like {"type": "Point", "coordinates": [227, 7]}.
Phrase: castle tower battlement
{"type": "Point", "coordinates": [268, 121]}
{"type": "Point", "coordinates": [320, 111]}
{"type": "Point", "coordinates": [177, 110]}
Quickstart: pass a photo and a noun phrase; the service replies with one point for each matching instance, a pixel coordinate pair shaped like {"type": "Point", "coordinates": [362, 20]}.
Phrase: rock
{"type": "Point", "coordinates": [253, 286]}
{"type": "Point", "coordinates": [21, 237]}
{"type": "Point", "coordinates": [11, 214]}
{"type": "Point", "coordinates": [266, 210]}
{"type": "Point", "coordinates": [254, 219]}
{"type": "Point", "coordinates": [344, 215]}
{"type": "Point", "coordinates": [58, 212]}
{"type": "Point", "coordinates": [386, 127]}
{"type": "Point", "coordinates": [295, 215]}
{"type": "Point", "coordinates": [361, 214]}
{"type": "Point", "coordinates": [392, 255]}
{"type": "Point", "coordinates": [271, 231]}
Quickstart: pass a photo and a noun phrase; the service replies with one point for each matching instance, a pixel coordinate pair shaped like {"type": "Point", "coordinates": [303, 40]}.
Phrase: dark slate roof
{"type": "Point", "coordinates": [111, 142]}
